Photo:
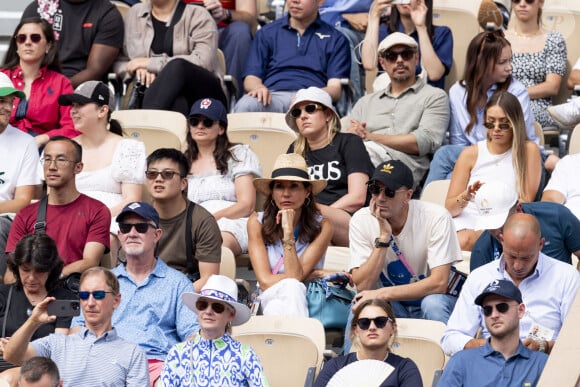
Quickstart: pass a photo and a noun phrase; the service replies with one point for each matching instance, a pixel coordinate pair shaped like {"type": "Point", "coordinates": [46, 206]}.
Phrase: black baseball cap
{"type": "Point", "coordinates": [393, 174]}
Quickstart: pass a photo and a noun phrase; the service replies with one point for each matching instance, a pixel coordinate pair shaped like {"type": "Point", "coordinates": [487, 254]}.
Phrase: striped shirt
{"type": "Point", "coordinates": [86, 360]}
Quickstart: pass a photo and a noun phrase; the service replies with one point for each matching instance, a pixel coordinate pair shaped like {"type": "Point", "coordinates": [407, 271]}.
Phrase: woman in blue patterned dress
{"type": "Point", "coordinates": [539, 57]}
{"type": "Point", "coordinates": [212, 357]}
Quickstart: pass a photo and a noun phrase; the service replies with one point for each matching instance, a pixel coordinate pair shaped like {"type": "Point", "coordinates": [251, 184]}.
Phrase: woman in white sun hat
{"type": "Point", "coordinates": [340, 158]}
{"type": "Point", "coordinates": [288, 240]}
{"type": "Point", "coordinates": [212, 357]}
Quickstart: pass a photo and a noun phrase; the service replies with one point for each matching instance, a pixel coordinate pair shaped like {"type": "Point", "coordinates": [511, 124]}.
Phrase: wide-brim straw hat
{"type": "Point", "coordinates": [289, 167]}
{"type": "Point", "coordinates": [219, 288]}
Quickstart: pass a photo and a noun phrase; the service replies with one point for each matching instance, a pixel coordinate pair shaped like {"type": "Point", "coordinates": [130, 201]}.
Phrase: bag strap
{"type": "Point", "coordinates": [40, 225]}
{"type": "Point", "coordinates": [6, 311]}
{"type": "Point", "coordinates": [168, 41]}
{"type": "Point", "coordinates": [192, 265]}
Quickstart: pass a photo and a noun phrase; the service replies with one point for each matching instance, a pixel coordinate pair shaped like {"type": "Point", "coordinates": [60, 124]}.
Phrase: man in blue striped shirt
{"type": "Point", "coordinates": [95, 355]}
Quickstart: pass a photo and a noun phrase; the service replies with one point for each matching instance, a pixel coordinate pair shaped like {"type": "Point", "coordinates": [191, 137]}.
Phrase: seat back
{"type": "Point", "coordinates": [156, 128]}
{"type": "Point", "coordinates": [337, 258]}
{"type": "Point", "coordinates": [574, 146]}
{"type": "Point", "coordinates": [418, 340]}
{"type": "Point", "coordinates": [464, 26]}
{"type": "Point", "coordinates": [228, 263]}
{"type": "Point", "coordinates": [436, 192]}
{"type": "Point", "coordinates": [290, 348]}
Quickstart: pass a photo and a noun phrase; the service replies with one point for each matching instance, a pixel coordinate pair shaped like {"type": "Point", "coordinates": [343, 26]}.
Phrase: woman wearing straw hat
{"type": "Point", "coordinates": [288, 240]}
{"type": "Point", "coordinates": [340, 158]}
{"type": "Point", "coordinates": [212, 357]}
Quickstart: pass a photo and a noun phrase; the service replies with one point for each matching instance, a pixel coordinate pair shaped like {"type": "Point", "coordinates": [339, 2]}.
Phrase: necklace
{"type": "Point", "coordinates": [539, 32]}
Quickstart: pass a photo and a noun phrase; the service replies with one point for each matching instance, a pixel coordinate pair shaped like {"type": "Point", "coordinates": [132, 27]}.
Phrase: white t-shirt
{"type": "Point", "coordinates": [19, 155]}
{"type": "Point", "coordinates": [427, 240]}
{"type": "Point", "coordinates": [564, 180]}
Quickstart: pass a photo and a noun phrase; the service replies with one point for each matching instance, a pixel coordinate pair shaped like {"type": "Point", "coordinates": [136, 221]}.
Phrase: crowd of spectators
{"type": "Point", "coordinates": [162, 307]}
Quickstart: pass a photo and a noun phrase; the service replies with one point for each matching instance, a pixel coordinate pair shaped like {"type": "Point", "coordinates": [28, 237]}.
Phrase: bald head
{"type": "Point", "coordinates": [520, 226]}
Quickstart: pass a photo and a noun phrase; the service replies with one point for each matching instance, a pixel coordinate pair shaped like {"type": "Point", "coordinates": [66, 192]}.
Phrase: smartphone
{"type": "Point", "coordinates": [64, 308]}
{"type": "Point", "coordinates": [401, 2]}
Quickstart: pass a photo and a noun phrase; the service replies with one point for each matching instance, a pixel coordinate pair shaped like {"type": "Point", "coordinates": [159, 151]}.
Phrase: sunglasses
{"type": "Point", "coordinates": [391, 56]}
{"type": "Point", "coordinates": [97, 294]}
{"type": "Point", "coordinates": [217, 307]}
{"type": "Point", "coordinates": [380, 322]}
{"type": "Point", "coordinates": [310, 108]}
{"type": "Point", "coordinates": [527, 1]}
{"type": "Point", "coordinates": [501, 125]}
{"type": "Point", "coordinates": [376, 189]}
{"type": "Point", "coordinates": [140, 227]}
{"type": "Point", "coordinates": [206, 122]}
{"type": "Point", "coordinates": [502, 308]}
{"type": "Point", "coordinates": [34, 38]}
{"type": "Point", "coordinates": [165, 175]}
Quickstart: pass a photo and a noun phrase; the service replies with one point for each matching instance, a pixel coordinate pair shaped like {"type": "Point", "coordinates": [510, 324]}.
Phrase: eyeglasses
{"type": "Point", "coordinates": [97, 294]}
{"type": "Point", "coordinates": [501, 125]}
{"type": "Point", "coordinates": [206, 122]}
{"type": "Point", "coordinates": [34, 38]}
{"type": "Point", "coordinates": [380, 322]}
{"type": "Point", "coordinates": [376, 189]}
{"type": "Point", "coordinates": [391, 56]}
{"type": "Point", "coordinates": [502, 308]}
{"type": "Point", "coordinates": [59, 161]}
{"type": "Point", "coordinates": [140, 227]}
{"type": "Point", "coordinates": [202, 305]}
{"type": "Point", "coordinates": [527, 1]}
{"type": "Point", "coordinates": [310, 108]}
{"type": "Point", "coordinates": [165, 175]}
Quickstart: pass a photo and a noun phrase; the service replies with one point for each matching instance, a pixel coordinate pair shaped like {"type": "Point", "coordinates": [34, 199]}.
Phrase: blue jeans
{"type": "Point", "coordinates": [281, 101]}
{"type": "Point", "coordinates": [436, 307]}
{"type": "Point", "coordinates": [235, 41]}
{"type": "Point", "coordinates": [443, 162]}
{"type": "Point", "coordinates": [357, 74]}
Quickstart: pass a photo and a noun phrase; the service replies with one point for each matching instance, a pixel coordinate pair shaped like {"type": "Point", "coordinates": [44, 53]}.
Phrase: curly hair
{"type": "Point", "coordinates": [50, 60]}
{"type": "Point", "coordinates": [482, 55]}
{"type": "Point", "coordinates": [40, 252]}
{"type": "Point", "coordinates": [309, 226]}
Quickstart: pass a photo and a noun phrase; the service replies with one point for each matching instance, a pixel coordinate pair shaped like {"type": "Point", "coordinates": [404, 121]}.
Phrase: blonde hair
{"type": "Point", "coordinates": [301, 145]}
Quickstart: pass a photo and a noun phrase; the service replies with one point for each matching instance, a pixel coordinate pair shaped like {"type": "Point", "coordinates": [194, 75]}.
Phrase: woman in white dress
{"type": "Point", "coordinates": [221, 175]}
{"type": "Point", "coordinates": [113, 166]}
{"type": "Point", "coordinates": [506, 155]}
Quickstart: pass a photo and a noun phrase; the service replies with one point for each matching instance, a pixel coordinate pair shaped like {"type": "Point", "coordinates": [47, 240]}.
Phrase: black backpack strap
{"type": "Point", "coordinates": [168, 41]}
{"type": "Point", "coordinates": [192, 265]}
{"type": "Point", "coordinates": [40, 225]}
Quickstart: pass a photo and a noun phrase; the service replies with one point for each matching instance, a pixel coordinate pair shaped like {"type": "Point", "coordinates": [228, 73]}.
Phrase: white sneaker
{"type": "Point", "coordinates": [566, 114]}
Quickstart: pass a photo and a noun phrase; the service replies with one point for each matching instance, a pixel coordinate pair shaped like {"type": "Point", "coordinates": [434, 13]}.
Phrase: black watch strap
{"type": "Point", "coordinates": [380, 244]}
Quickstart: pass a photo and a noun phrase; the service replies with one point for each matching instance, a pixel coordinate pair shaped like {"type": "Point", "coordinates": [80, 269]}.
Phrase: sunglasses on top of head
{"type": "Point", "coordinates": [502, 308]}
{"type": "Point", "coordinates": [380, 322]}
{"type": "Point", "coordinates": [206, 122]}
{"type": "Point", "coordinates": [391, 55]}
{"type": "Point", "coordinates": [34, 38]}
{"type": "Point", "coordinates": [527, 1]}
{"type": "Point", "coordinates": [310, 108]}
{"type": "Point", "coordinates": [217, 307]}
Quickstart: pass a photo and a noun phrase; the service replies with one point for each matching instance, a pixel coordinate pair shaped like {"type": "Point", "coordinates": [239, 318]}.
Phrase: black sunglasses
{"type": "Point", "coordinates": [34, 38]}
{"type": "Point", "coordinates": [140, 227]}
{"type": "Point", "coordinates": [380, 322]}
{"type": "Point", "coordinates": [165, 175]}
{"type": "Point", "coordinates": [202, 305]}
{"type": "Point", "coordinates": [376, 189]}
{"type": "Point", "coordinates": [502, 307]}
{"type": "Point", "coordinates": [501, 125]}
{"type": "Point", "coordinates": [97, 294]}
{"type": "Point", "coordinates": [391, 56]}
{"type": "Point", "coordinates": [527, 1]}
{"type": "Point", "coordinates": [310, 108]}
{"type": "Point", "coordinates": [194, 121]}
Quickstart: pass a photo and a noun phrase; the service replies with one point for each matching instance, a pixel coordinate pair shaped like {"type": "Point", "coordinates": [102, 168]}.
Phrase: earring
{"type": "Point", "coordinates": [307, 202]}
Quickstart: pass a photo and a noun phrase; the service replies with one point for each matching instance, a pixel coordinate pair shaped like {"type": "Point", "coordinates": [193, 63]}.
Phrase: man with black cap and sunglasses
{"type": "Point", "coordinates": [504, 360]}
{"type": "Point", "coordinates": [407, 120]}
{"type": "Point", "coordinates": [150, 312]}
{"type": "Point", "coordinates": [401, 250]}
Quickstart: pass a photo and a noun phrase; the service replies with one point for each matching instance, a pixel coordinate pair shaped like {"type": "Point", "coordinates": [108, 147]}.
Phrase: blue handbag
{"type": "Point", "coordinates": [329, 300]}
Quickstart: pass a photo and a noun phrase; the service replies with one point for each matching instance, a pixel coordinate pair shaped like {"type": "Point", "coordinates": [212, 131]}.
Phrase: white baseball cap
{"type": "Point", "coordinates": [493, 201]}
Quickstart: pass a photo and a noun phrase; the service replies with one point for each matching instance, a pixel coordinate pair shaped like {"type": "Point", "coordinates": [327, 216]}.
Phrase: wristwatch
{"type": "Point", "coordinates": [380, 244]}
{"type": "Point", "coordinates": [542, 346]}
{"type": "Point", "coordinates": [228, 18]}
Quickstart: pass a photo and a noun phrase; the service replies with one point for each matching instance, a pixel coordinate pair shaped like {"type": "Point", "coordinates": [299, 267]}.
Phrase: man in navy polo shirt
{"type": "Point", "coordinates": [292, 53]}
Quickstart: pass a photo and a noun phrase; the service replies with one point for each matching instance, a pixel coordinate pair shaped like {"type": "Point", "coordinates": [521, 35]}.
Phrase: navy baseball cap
{"type": "Point", "coordinates": [393, 174]}
{"type": "Point", "coordinates": [210, 108]}
{"type": "Point", "coordinates": [503, 288]}
{"type": "Point", "coordinates": [144, 210]}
